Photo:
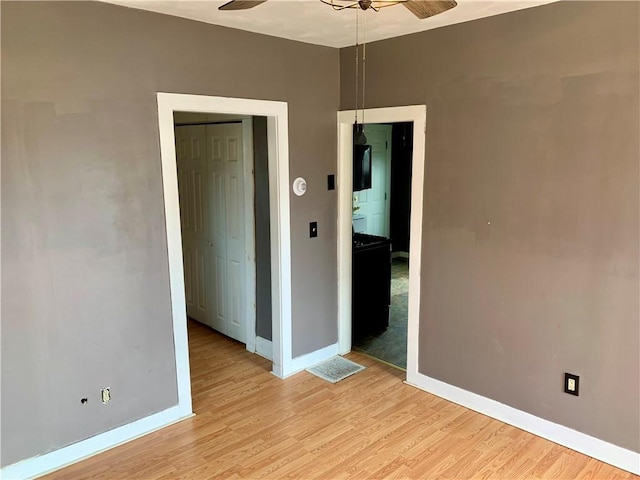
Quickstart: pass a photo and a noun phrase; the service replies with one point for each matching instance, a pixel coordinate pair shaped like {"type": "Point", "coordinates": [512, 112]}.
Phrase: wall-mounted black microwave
{"type": "Point", "coordinates": [361, 167]}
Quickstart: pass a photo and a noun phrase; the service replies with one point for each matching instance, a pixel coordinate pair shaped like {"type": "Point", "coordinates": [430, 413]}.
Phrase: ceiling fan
{"type": "Point", "coordinates": [420, 8]}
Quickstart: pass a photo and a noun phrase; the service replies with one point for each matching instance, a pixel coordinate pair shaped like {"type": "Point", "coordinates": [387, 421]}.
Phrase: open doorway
{"type": "Point", "coordinates": [416, 116]}
{"type": "Point", "coordinates": [276, 117]}
{"type": "Point", "coordinates": [215, 163]}
{"type": "Point", "coordinates": [380, 257]}
{"type": "Point", "coordinates": [223, 186]}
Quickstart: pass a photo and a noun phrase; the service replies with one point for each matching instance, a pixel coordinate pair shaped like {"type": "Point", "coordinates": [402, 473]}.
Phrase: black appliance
{"type": "Point", "coordinates": [371, 285]}
{"type": "Point", "coordinates": [361, 167]}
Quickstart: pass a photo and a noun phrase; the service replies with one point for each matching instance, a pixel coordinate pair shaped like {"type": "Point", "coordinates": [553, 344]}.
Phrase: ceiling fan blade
{"type": "Point", "coordinates": [241, 4]}
{"type": "Point", "coordinates": [428, 8]}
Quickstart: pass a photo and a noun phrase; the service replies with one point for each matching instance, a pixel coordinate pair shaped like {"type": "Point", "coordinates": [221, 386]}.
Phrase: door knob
{"type": "Point", "coordinates": [210, 243]}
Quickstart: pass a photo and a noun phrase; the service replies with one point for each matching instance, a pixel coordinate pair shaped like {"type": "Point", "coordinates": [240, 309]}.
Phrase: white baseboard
{"type": "Point", "coordinates": [310, 359]}
{"type": "Point", "coordinates": [578, 441]}
{"type": "Point", "coordinates": [251, 343]}
{"type": "Point", "coordinates": [264, 348]}
{"type": "Point", "coordinates": [399, 254]}
{"type": "Point", "coordinates": [49, 462]}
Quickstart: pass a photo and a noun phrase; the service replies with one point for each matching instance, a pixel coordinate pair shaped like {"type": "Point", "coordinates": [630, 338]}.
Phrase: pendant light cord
{"type": "Point", "coordinates": [364, 60]}
{"type": "Point", "coordinates": [357, 65]}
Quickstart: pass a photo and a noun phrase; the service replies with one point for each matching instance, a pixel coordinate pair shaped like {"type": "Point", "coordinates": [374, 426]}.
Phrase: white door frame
{"type": "Point", "coordinates": [418, 115]}
{"type": "Point", "coordinates": [249, 233]}
{"type": "Point", "coordinates": [278, 152]}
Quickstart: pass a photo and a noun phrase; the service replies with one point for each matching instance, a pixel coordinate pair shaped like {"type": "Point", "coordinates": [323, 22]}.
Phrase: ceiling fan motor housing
{"type": "Point", "coordinates": [420, 8]}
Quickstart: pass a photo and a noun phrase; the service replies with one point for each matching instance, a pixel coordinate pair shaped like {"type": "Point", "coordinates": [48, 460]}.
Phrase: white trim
{"type": "Point", "coordinates": [314, 358]}
{"type": "Point", "coordinates": [249, 234]}
{"type": "Point", "coordinates": [578, 441]}
{"type": "Point", "coordinates": [278, 140]}
{"type": "Point", "coordinates": [418, 115]}
{"type": "Point", "coordinates": [264, 348]}
{"type": "Point", "coordinates": [43, 464]}
{"type": "Point", "coordinates": [174, 252]}
{"type": "Point", "coordinates": [345, 229]}
{"type": "Point", "coordinates": [278, 160]}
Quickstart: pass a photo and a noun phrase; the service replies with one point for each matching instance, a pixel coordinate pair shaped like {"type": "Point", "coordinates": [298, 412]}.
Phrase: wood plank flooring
{"type": "Point", "coordinates": [250, 424]}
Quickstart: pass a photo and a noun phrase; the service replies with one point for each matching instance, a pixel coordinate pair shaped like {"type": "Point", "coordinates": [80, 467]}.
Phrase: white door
{"type": "Point", "coordinates": [194, 217]}
{"type": "Point", "coordinates": [374, 202]}
{"type": "Point", "coordinates": [226, 228]}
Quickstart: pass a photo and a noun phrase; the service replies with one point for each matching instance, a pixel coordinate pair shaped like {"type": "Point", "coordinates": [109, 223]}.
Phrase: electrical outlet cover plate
{"type": "Point", "coordinates": [571, 384]}
{"type": "Point", "coordinates": [106, 395]}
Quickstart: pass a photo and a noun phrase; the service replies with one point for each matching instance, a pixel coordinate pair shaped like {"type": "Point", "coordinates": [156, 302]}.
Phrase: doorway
{"type": "Point", "coordinates": [416, 115]}
{"type": "Point", "coordinates": [371, 206]}
{"type": "Point", "coordinates": [215, 160]}
{"type": "Point", "coordinates": [278, 161]}
{"type": "Point", "coordinates": [380, 255]}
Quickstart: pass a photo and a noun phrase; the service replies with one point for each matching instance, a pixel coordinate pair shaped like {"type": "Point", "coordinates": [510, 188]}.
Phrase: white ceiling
{"type": "Point", "coordinates": [311, 21]}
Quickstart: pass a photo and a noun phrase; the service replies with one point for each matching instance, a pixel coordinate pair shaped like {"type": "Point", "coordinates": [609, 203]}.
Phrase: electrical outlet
{"type": "Point", "coordinates": [106, 395]}
{"type": "Point", "coordinates": [571, 384]}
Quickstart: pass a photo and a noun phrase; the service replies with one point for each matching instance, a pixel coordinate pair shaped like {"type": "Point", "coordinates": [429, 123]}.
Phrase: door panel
{"type": "Point", "coordinates": [218, 223]}
{"type": "Point", "coordinates": [234, 147]}
{"type": "Point", "coordinates": [235, 299]}
{"type": "Point", "coordinates": [198, 206]}
{"type": "Point", "coordinates": [376, 223]}
{"type": "Point", "coordinates": [218, 216]}
{"type": "Point", "coordinates": [185, 199]}
{"type": "Point", "coordinates": [220, 293]}
{"type": "Point", "coordinates": [374, 202]}
{"type": "Point", "coordinates": [188, 278]}
{"type": "Point", "coordinates": [233, 208]}
{"type": "Point", "coordinates": [211, 189]}
{"type": "Point", "coordinates": [227, 227]}
{"type": "Point", "coordinates": [192, 178]}
{"type": "Point", "coordinates": [201, 280]}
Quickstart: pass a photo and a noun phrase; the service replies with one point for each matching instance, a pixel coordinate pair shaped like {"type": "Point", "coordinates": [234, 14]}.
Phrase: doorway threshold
{"type": "Point", "coordinates": [368, 355]}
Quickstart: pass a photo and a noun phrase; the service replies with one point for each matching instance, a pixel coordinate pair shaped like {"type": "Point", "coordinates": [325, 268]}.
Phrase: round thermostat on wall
{"type": "Point", "coordinates": [299, 186]}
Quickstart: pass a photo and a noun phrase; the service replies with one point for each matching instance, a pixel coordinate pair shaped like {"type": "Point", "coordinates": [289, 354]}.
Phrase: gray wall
{"type": "Point", "coordinates": [263, 230]}
{"type": "Point", "coordinates": [532, 125]}
{"type": "Point", "coordinates": [85, 284]}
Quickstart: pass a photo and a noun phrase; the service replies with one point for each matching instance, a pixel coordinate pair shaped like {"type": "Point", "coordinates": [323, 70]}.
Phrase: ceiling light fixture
{"type": "Point", "coordinates": [359, 137]}
{"type": "Point", "coordinates": [420, 8]}
{"type": "Point", "coordinates": [374, 5]}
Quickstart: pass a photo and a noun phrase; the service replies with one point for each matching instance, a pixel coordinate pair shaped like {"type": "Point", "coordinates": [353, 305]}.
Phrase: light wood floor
{"type": "Point", "coordinates": [250, 424]}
